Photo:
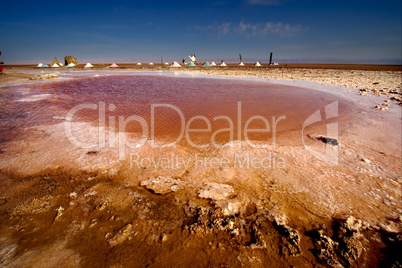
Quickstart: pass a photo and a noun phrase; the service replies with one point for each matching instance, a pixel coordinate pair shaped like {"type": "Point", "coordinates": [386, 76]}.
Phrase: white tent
{"type": "Point", "coordinates": [175, 64]}
{"type": "Point", "coordinates": [139, 63]}
{"type": "Point", "coordinates": [55, 65]}
{"type": "Point", "coordinates": [39, 65]}
{"type": "Point", "coordinates": [61, 64]}
{"type": "Point", "coordinates": [151, 63]}
{"type": "Point", "coordinates": [71, 65]}
{"type": "Point", "coordinates": [88, 65]}
{"type": "Point", "coordinates": [166, 63]}
{"type": "Point", "coordinates": [223, 64]}
{"type": "Point", "coordinates": [213, 63]}
{"type": "Point", "coordinates": [258, 64]}
{"type": "Point", "coordinates": [241, 64]}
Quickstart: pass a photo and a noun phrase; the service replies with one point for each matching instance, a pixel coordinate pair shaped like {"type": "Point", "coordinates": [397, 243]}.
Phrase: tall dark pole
{"type": "Point", "coordinates": [240, 58]}
{"type": "Point", "coordinates": [270, 59]}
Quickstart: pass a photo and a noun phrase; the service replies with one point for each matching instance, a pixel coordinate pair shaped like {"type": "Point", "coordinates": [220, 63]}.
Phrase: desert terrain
{"type": "Point", "coordinates": [267, 205]}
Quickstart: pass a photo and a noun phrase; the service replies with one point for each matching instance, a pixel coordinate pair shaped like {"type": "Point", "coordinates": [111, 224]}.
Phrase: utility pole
{"type": "Point", "coordinates": [1, 67]}
{"type": "Point", "coordinates": [270, 59]}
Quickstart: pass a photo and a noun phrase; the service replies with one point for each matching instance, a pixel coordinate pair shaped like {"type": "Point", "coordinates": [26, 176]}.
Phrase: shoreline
{"type": "Point", "coordinates": [145, 65]}
{"type": "Point", "coordinates": [363, 78]}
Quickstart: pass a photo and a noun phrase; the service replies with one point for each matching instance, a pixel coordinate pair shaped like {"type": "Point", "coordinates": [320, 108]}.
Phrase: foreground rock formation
{"type": "Point", "coordinates": [83, 220]}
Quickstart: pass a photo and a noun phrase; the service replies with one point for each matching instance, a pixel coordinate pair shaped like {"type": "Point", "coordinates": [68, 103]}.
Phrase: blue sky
{"type": "Point", "coordinates": [296, 31]}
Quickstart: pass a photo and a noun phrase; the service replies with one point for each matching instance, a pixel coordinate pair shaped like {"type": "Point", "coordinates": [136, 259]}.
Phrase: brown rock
{"type": "Point", "coordinates": [121, 235]}
{"type": "Point", "coordinates": [70, 59]}
{"type": "Point", "coordinates": [346, 247]}
{"type": "Point", "coordinates": [55, 61]}
{"type": "Point", "coordinates": [290, 238]}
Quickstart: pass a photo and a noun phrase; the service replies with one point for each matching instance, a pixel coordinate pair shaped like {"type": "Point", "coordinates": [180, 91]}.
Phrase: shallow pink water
{"type": "Point", "coordinates": [46, 103]}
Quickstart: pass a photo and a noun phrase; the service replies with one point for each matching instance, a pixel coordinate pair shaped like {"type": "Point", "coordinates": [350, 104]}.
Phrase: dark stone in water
{"type": "Point", "coordinates": [330, 141]}
{"type": "Point", "coordinates": [92, 153]}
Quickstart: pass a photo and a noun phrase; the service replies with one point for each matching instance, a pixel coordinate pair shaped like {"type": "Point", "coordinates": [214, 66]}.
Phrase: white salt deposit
{"type": "Point", "coordinates": [162, 185]}
{"type": "Point", "coordinates": [175, 64]}
{"type": "Point", "coordinates": [113, 65]}
{"type": "Point", "coordinates": [35, 98]}
{"type": "Point", "coordinates": [216, 191]}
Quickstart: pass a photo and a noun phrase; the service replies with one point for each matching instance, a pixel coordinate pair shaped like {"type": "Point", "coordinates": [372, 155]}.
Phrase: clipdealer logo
{"type": "Point", "coordinates": [116, 136]}
{"type": "Point", "coordinates": [121, 141]}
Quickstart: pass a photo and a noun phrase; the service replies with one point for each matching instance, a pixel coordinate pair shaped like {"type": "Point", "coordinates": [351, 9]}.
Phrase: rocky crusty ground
{"type": "Point", "coordinates": [380, 83]}
{"type": "Point", "coordinates": [91, 220]}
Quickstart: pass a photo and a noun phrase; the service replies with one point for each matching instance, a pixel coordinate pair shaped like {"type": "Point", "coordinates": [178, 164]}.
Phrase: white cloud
{"type": "Point", "coordinates": [264, 2]}
{"type": "Point", "coordinates": [255, 30]}
{"type": "Point", "coordinates": [224, 28]}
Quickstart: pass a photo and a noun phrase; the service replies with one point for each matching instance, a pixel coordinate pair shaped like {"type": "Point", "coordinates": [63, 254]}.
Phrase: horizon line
{"type": "Point", "coordinates": [228, 60]}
